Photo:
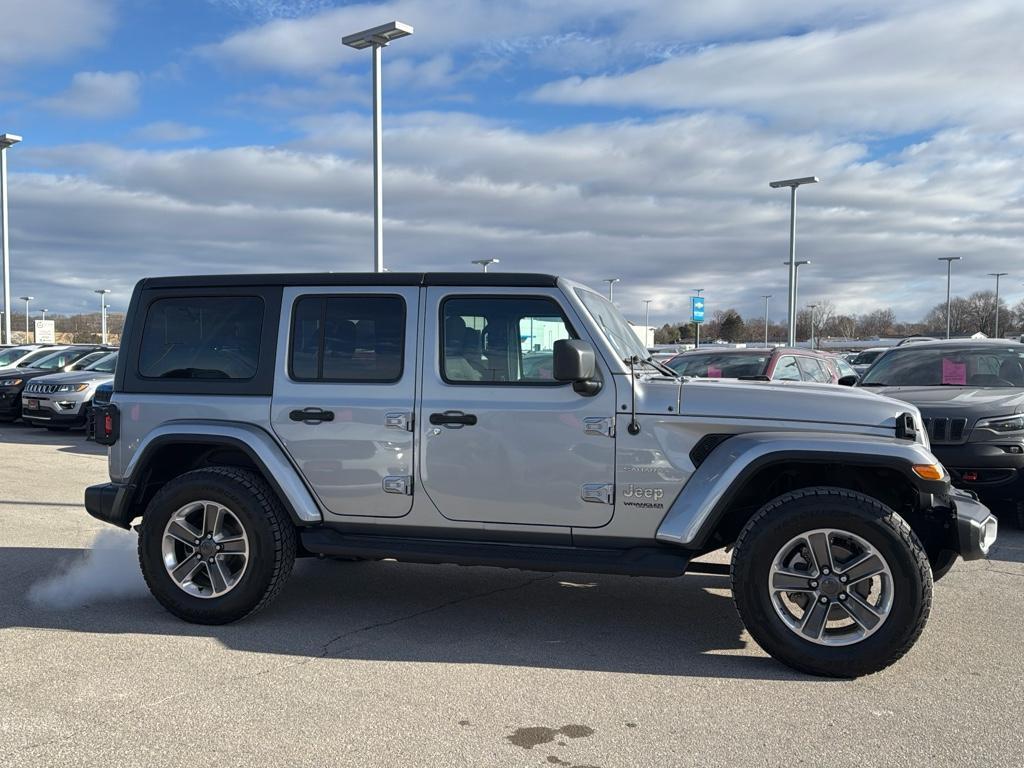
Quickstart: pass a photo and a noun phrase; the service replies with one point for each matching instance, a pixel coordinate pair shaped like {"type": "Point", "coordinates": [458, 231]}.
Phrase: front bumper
{"type": "Point", "coordinates": [992, 469]}
{"type": "Point", "coordinates": [110, 502]}
{"type": "Point", "coordinates": [976, 527]}
{"type": "Point", "coordinates": [45, 416]}
{"type": "Point", "coordinates": [10, 404]}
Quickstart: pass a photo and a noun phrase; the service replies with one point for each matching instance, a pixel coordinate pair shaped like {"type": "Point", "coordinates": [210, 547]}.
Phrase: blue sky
{"type": "Point", "coordinates": [627, 138]}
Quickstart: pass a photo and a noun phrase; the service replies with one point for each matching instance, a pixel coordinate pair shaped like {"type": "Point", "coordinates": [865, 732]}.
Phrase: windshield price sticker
{"type": "Point", "coordinates": [953, 372]}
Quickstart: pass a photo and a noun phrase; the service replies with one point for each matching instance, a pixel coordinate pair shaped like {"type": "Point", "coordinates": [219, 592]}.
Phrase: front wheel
{"type": "Point", "coordinates": [831, 582]}
{"type": "Point", "coordinates": [216, 545]}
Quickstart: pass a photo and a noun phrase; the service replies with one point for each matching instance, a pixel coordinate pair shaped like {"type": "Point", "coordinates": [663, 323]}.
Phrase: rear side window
{"type": "Point", "coordinates": [348, 339]}
{"type": "Point", "coordinates": [202, 337]}
{"type": "Point", "coordinates": [786, 370]}
{"type": "Point", "coordinates": [813, 370]}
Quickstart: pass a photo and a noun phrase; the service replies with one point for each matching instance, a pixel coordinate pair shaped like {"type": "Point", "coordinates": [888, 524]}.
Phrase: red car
{"type": "Point", "coordinates": [781, 364]}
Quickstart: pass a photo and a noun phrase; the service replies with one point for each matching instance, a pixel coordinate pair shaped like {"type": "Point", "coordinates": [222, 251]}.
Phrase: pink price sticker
{"type": "Point", "coordinates": [714, 372]}
{"type": "Point", "coordinates": [953, 372]}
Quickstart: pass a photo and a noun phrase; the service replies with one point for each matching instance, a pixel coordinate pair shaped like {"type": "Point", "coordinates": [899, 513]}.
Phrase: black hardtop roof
{"type": "Point", "coordinates": [482, 279]}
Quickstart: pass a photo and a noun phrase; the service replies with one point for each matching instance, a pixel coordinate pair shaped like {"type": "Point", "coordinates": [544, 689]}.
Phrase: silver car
{"type": "Point", "coordinates": [62, 401]}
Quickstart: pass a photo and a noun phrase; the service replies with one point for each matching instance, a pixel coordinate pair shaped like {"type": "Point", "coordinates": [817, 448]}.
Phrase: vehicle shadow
{"type": "Point", "coordinates": [1009, 547]}
{"type": "Point", "coordinates": [403, 612]}
{"type": "Point", "coordinates": [71, 441]}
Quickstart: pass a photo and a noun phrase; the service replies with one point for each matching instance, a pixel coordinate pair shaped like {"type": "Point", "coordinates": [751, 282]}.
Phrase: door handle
{"type": "Point", "coordinates": [311, 415]}
{"type": "Point", "coordinates": [454, 419]}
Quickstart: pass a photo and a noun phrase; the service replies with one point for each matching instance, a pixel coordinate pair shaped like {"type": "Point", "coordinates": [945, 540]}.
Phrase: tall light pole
{"type": "Point", "coordinates": [7, 140]}
{"type": "Point", "coordinates": [696, 330]}
{"type": "Point", "coordinates": [792, 184]}
{"type": "Point", "coordinates": [997, 275]}
{"type": "Point", "coordinates": [103, 313]}
{"type": "Point", "coordinates": [44, 314]}
{"type": "Point", "coordinates": [949, 274]}
{"type": "Point", "coordinates": [377, 38]}
{"type": "Point", "coordinates": [794, 290]}
{"type": "Point", "coordinates": [766, 297]}
{"type": "Point", "coordinates": [26, 299]}
{"type": "Point", "coordinates": [812, 307]}
{"type": "Point", "coordinates": [611, 286]}
{"type": "Point", "coordinates": [485, 263]}
{"type": "Point", "coordinates": [647, 318]}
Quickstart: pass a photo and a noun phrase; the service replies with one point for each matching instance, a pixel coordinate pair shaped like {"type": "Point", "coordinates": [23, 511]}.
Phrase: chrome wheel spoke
{"type": "Point", "coordinates": [814, 619]}
{"type": "Point", "coordinates": [864, 568]}
{"type": "Point", "coordinates": [861, 612]}
{"type": "Point", "coordinates": [236, 545]}
{"type": "Point", "coordinates": [790, 581]}
{"type": "Point", "coordinates": [185, 570]}
{"type": "Point", "coordinates": [821, 550]}
{"type": "Point", "coordinates": [182, 531]}
{"type": "Point", "coordinates": [218, 579]}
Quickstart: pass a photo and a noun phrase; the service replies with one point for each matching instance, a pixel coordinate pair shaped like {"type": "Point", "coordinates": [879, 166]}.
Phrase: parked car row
{"type": "Point", "coordinates": [778, 364]}
{"type": "Point", "coordinates": [53, 385]}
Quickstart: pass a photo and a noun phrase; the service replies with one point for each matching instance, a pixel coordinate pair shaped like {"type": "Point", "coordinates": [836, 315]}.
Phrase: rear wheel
{"type": "Point", "coordinates": [831, 582]}
{"type": "Point", "coordinates": [215, 545]}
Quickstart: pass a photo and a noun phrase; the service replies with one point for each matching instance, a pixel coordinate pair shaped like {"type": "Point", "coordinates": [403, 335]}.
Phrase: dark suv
{"type": "Point", "coordinates": [971, 395]}
{"type": "Point", "coordinates": [781, 364]}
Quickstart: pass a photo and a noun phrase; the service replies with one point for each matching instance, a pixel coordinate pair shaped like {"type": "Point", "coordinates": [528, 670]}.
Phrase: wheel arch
{"type": "Point", "coordinates": [181, 448]}
{"type": "Point", "coordinates": [748, 470]}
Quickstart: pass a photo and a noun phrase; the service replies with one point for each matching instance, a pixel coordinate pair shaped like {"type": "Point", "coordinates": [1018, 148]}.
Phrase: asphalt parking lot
{"type": "Point", "coordinates": [401, 665]}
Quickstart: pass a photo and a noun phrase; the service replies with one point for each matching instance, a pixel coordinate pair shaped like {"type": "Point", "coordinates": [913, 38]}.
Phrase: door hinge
{"type": "Point", "coordinates": [400, 484]}
{"type": "Point", "coordinates": [598, 493]}
{"type": "Point", "coordinates": [395, 420]}
{"type": "Point", "coordinates": [599, 425]}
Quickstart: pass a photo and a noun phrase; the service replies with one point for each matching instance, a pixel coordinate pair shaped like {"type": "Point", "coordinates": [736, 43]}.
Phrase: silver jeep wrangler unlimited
{"type": "Point", "coordinates": [510, 420]}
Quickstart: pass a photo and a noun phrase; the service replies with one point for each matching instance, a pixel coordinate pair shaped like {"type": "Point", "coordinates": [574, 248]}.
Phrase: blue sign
{"type": "Point", "coordinates": [697, 309]}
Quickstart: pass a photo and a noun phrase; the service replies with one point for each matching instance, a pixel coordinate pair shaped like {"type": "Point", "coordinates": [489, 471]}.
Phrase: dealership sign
{"type": "Point", "coordinates": [45, 332]}
{"type": "Point", "coordinates": [697, 309]}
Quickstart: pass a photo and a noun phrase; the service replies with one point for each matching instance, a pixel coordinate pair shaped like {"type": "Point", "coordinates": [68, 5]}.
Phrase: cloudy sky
{"type": "Point", "coordinates": [620, 138]}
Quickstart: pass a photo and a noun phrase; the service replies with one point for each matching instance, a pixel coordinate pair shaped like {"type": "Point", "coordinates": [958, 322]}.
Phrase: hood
{"type": "Point", "coordinates": [795, 402]}
{"type": "Point", "coordinates": [75, 377]}
{"type": "Point", "coordinates": [960, 401]}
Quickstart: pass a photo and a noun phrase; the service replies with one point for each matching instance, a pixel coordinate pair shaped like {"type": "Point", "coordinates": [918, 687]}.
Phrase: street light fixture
{"type": "Point", "coordinates": [766, 297]}
{"type": "Point", "coordinates": [103, 313]}
{"type": "Point", "coordinates": [812, 308]}
{"type": "Point", "coordinates": [7, 140]}
{"type": "Point", "coordinates": [611, 283]}
{"type": "Point", "coordinates": [377, 38]}
{"type": "Point", "coordinates": [26, 299]}
{"type": "Point", "coordinates": [485, 263]}
{"type": "Point", "coordinates": [997, 275]}
{"type": "Point", "coordinates": [792, 184]}
{"type": "Point", "coordinates": [949, 273]}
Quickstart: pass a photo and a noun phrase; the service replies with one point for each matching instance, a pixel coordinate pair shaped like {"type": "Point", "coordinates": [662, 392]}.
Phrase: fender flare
{"type": "Point", "coordinates": [706, 496]}
{"type": "Point", "coordinates": [257, 444]}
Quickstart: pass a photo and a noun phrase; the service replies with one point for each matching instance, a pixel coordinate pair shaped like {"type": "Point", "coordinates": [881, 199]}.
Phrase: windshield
{"type": "Point", "coordinates": [42, 354]}
{"type": "Point", "coordinates": [55, 360]}
{"type": "Point", "coordinates": [914, 366]}
{"type": "Point", "coordinates": [866, 357]}
{"type": "Point", "coordinates": [618, 332]}
{"type": "Point", "coordinates": [105, 364]}
{"type": "Point", "coordinates": [720, 365]}
{"type": "Point", "coordinates": [8, 356]}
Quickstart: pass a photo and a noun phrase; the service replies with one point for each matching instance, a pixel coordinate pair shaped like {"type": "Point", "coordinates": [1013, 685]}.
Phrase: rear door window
{"type": "Point", "coordinates": [202, 337]}
{"type": "Point", "coordinates": [786, 369]}
{"type": "Point", "coordinates": [348, 338]}
{"type": "Point", "coordinates": [813, 370]}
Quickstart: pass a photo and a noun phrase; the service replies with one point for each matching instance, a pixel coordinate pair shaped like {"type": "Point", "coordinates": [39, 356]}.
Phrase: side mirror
{"type": "Point", "coordinates": [574, 361]}
{"type": "Point", "coordinates": [848, 381]}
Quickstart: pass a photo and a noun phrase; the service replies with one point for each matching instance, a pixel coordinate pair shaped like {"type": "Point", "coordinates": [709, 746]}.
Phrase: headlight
{"type": "Point", "coordinates": [1003, 424]}
{"type": "Point", "coordinates": [10, 382]}
{"type": "Point", "coordinates": [72, 387]}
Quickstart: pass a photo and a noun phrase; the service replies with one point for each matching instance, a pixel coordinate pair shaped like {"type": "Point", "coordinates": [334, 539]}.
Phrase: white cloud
{"type": "Point", "coordinates": [168, 131]}
{"type": "Point", "coordinates": [666, 205]}
{"type": "Point", "coordinates": [955, 64]}
{"type": "Point", "coordinates": [98, 95]}
{"type": "Point", "coordinates": [47, 30]}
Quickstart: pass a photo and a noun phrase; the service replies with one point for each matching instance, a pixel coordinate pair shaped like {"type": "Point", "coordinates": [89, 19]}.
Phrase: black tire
{"type": "Point", "coordinates": [786, 517]}
{"type": "Point", "coordinates": [269, 529]}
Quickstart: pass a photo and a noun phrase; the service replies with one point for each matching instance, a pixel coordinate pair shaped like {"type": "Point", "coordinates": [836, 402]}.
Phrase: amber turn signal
{"type": "Point", "coordinates": [929, 471]}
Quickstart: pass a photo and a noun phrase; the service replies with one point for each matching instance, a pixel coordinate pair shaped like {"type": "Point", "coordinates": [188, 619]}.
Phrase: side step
{"type": "Point", "coordinates": [637, 561]}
